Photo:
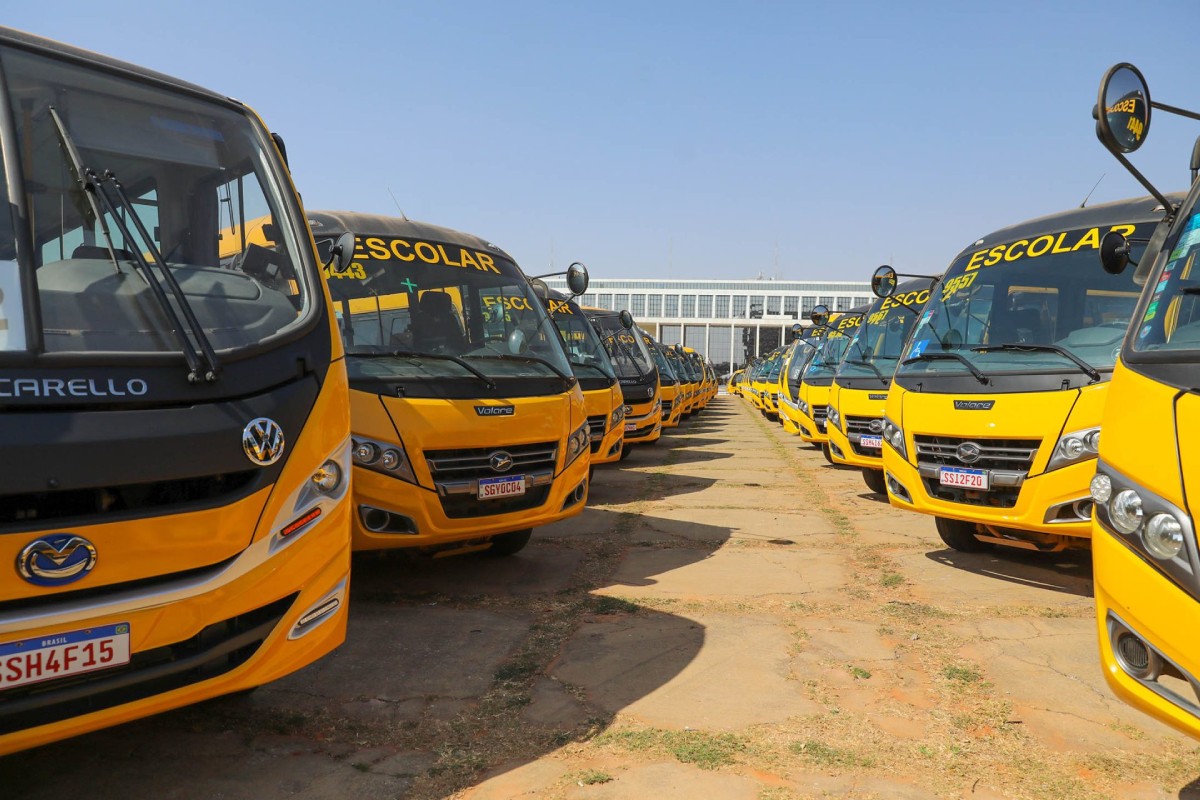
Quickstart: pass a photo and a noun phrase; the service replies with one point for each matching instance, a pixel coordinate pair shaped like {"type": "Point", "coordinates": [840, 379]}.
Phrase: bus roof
{"type": "Point", "coordinates": [1131, 210]}
{"type": "Point", "coordinates": [334, 223]}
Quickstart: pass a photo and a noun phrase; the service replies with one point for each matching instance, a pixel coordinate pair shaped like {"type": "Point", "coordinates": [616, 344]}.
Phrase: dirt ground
{"type": "Point", "coordinates": [730, 618]}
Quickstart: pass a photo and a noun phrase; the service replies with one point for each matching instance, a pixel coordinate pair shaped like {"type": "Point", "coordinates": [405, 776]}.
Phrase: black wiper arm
{"type": "Point", "coordinates": [864, 363]}
{"type": "Point", "coordinates": [1084, 367]}
{"type": "Point", "coordinates": [531, 360]}
{"type": "Point", "coordinates": [91, 187]}
{"type": "Point", "coordinates": [488, 382]}
{"type": "Point", "coordinates": [948, 356]}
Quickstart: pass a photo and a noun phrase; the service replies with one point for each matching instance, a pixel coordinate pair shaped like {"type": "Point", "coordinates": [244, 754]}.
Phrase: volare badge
{"type": "Point", "coordinates": [974, 405]}
{"type": "Point", "coordinates": [495, 411]}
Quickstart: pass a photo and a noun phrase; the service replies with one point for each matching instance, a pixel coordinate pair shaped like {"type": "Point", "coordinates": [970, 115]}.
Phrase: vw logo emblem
{"type": "Point", "coordinates": [876, 426]}
{"type": "Point", "coordinates": [500, 461]}
{"type": "Point", "coordinates": [262, 439]}
{"type": "Point", "coordinates": [56, 560]}
{"type": "Point", "coordinates": [968, 452]}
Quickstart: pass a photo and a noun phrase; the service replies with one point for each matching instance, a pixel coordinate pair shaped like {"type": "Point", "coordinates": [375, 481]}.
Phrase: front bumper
{"type": "Point", "coordinates": [1047, 503]}
{"type": "Point", "coordinates": [845, 449]}
{"type": "Point", "coordinates": [208, 633]}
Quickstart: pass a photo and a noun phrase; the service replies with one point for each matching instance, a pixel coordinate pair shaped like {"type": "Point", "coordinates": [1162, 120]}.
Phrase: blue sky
{"type": "Point", "coordinates": [681, 139]}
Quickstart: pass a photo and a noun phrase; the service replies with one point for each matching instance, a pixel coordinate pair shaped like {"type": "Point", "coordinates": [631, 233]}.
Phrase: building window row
{"type": "Point", "coordinates": [722, 306]}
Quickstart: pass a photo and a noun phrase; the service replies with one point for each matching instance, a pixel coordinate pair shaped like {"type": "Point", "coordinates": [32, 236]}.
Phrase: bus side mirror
{"type": "Point", "coordinates": [883, 281]}
{"type": "Point", "coordinates": [626, 320]}
{"type": "Point", "coordinates": [819, 315]}
{"type": "Point", "coordinates": [797, 330]}
{"type": "Point", "coordinates": [1114, 253]}
{"type": "Point", "coordinates": [342, 252]}
{"type": "Point", "coordinates": [1123, 109]}
{"type": "Point", "coordinates": [577, 279]}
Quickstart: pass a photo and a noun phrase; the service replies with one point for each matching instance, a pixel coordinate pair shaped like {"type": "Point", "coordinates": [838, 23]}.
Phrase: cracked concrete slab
{"type": "Point", "coordinates": [678, 573]}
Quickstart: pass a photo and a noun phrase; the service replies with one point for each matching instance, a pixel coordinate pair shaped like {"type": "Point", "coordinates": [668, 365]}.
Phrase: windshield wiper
{"type": "Point", "coordinates": [1084, 367]}
{"type": "Point", "coordinates": [92, 187]}
{"type": "Point", "coordinates": [948, 356]}
{"type": "Point", "coordinates": [864, 363]}
{"type": "Point", "coordinates": [488, 382]}
{"type": "Point", "coordinates": [530, 360]}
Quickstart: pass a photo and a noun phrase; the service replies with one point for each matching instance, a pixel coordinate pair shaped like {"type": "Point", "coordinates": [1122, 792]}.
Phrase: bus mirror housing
{"type": "Point", "coordinates": [626, 320]}
{"type": "Point", "coordinates": [1123, 109]}
{"type": "Point", "coordinates": [577, 279]}
{"type": "Point", "coordinates": [797, 330]}
{"type": "Point", "coordinates": [883, 281]}
{"type": "Point", "coordinates": [678, 348]}
{"type": "Point", "coordinates": [342, 252]}
{"type": "Point", "coordinates": [819, 315]}
{"type": "Point", "coordinates": [1114, 252]}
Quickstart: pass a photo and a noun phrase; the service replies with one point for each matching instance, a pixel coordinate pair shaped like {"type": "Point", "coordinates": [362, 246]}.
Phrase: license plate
{"type": "Point", "coordinates": [871, 441]}
{"type": "Point", "coordinates": [630, 427]}
{"type": "Point", "coordinates": [964, 478]}
{"type": "Point", "coordinates": [45, 658]}
{"type": "Point", "coordinates": [508, 486]}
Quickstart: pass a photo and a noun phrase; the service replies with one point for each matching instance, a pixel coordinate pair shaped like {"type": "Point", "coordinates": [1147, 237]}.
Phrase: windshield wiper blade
{"type": "Point", "coordinates": [1084, 367]}
{"type": "Point", "coordinates": [488, 382]}
{"type": "Point", "coordinates": [91, 185]}
{"type": "Point", "coordinates": [531, 360]}
{"type": "Point", "coordinates": [948, 356]}
{"type": "Point", "coordinates": [864, 363]}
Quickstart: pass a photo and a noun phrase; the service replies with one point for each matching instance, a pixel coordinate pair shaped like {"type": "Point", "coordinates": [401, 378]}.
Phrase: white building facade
{"type": "Point", "coordinates": [727, 321]}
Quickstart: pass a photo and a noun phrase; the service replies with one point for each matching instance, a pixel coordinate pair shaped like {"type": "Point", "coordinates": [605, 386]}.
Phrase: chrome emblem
{"type": "Point", "coordinates": [968, 452]}
{"type": "Point", "coordinates": [262, 439]}
{"type": "Point", "coordinates": [500, 461]}
{"type": "Point", "coordinates": [56, 560]}
{"type": "Point", "coordinates": [876, 426]}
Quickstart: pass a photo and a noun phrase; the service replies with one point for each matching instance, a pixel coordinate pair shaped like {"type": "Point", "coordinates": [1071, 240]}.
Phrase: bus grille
{"type": "Point", "coordinates": [596, 427]}
{"type": "Point", "coordinates": [1007, 454]}
{"type": "Point", "coordinates": [475, 463]}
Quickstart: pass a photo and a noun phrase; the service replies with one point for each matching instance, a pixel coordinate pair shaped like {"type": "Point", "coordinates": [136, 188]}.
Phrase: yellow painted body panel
{"type": "Point", "coordinates": [1043, 416]}
{"type": "Point", "coordinates": [816, 397]}
{"type": "Point", "coordinates": [606, 401]}
{"type": "Point", "coordinates": [671, 393]}
{"type": "Point", "coordinates": [429, 424]}
{"type": "Point", "coordinates": [643, 421]}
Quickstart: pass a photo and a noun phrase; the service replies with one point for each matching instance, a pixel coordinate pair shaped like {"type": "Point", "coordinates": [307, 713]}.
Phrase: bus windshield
{"type": "Point", "coordinates": [876, 346]}
{"type": "Point", "coordinates": [417, 309]}
{"type": "Point", "coordinates": [1025, 306]}
{"type": "Point", "coordinates": [585, 352]}
{"type": "Point", "coordinates": [1170, 319]}
{"type": "Point", "coordinates": [176, 181]}
{"type": "Point", "coordinates": [666, 373]}
{"type": "Point", "coordinates": [824, 363]}
{"type": "Point", "coordinates": [629, 355]}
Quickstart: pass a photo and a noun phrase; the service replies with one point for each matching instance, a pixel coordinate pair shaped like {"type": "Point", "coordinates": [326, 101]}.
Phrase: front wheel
{"type": "Point", "coordinates": [505, 544]}
{"type": "Point", "coordinates": [959, 535]}
{"type": "Point", "coordinates": [874, 480]}
{"type": "Point", "coordinates": [825, 452]}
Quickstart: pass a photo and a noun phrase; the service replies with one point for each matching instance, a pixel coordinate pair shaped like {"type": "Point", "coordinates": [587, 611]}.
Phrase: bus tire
{"type": "Point", "coordinates": [959, 535]}
{"type": "Point", "coordinates": [825, 452]}
{"type": "Point", "coordinates": [506, 544]}
{"type": "Point", "coordinates": [625, 451]}
{"type": "Point", "coordinates": [874, 480]}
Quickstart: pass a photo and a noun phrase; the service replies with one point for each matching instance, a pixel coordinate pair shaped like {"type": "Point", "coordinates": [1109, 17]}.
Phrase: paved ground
{"type": "Point", "coordinates": [730, 618]}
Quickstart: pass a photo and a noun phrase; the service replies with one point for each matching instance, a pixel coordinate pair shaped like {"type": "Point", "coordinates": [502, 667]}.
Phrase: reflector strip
{"type": "Point", "coordinates": [292, 527]}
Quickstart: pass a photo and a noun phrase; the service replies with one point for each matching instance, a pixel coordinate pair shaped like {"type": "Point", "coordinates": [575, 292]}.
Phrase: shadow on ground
{"type": "Point", "coordinates": [1069, 572]}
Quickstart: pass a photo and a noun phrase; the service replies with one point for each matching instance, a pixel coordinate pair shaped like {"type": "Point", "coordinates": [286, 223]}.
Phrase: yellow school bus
{"type": "Point", "coordinates": [805, 344]}
{"type": "Point", "coordinates": [595, 372]}
{"type": "Point", "coordinates": [670, 386]}
{"type": "Point", "coordinates": [766, 384]}
{"type": "Point", "coordinates": [636, 373]}
{"type": "Point", "coordinates": [1144, 545]}
{"type": "Point", "coordinates": [174, 506]}
{"type": "Point", "coordinates": [812, 399]}
{"type": "Point", "coordinates": [860, 387]}
{"type": "Point", "coordinates": [731, 387]}
{"type": "Point", "coordinates": [469, 427]}
{"type": "Point", "coordinates": [688, 383]}
{"type": "Point", "coordinates": [992, 422]}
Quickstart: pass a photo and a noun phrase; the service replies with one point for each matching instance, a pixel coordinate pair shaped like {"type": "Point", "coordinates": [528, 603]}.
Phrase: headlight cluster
{"type": "Point", "coordinates": [1074, 447]}
{"type": "Point", "coordinates": [1148, 523]}
{"type": "Point", "coordinates": [832, 417]}
{"type": "Point", "coordinates": [578, 442]}
{"type": "Point", "coordinates": [618, 415]}
{"type": "Point", "coordinates": [894, 435]}
{"type": "Point", "coordinates": [803, 406]}
{"type": "Point", "coordinates": [328, 478]}
{"type": "Point", "coordinates": [389, 459]}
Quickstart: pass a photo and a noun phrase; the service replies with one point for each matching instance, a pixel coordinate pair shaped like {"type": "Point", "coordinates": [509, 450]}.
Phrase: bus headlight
{"type": "Point", "coordinates": [383, 457]}
{"type": "Point", "coordinates": [1101, 488]}
{"type": "Point", "coordinates": [894, 435]}
{"type": "Point", "coordinates": [1125, 511]}
{"type": "Point", "coordinates": [833, 418]}
{"type": "Point", "coordinates": [1074, 447]}
{"type": "Point", "coordinates": [578, 442]}
{"type": "Point", "coordinates": [1163, 536]}
{"type": "Point", "coordinates": [328, 477]}
{"type": "Point", "coordinates": [618, 414]}
{"type": "Point", "coordinates": [803, 406]}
